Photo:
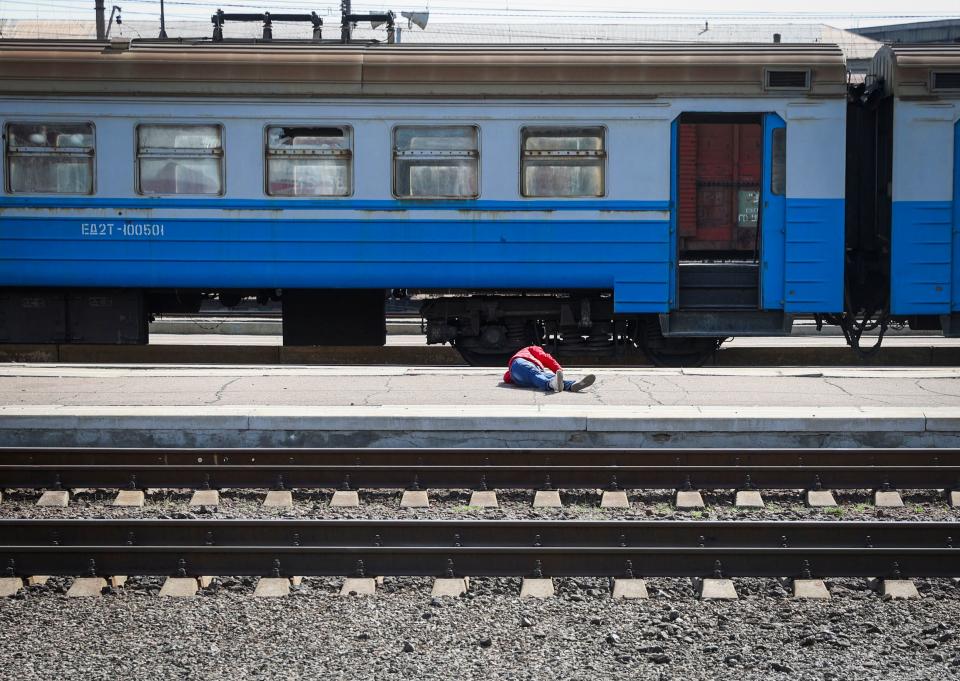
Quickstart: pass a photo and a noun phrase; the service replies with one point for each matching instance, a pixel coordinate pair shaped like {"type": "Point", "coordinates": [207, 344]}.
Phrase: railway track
{"type": "Point", "coordinates": [479, 548]}
{"type": "Point", "coordinates": [481, 469]}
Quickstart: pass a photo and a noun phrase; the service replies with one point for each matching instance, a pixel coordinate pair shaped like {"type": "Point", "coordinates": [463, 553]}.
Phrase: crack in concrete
{"type": "Point", "coordinates": [850, 394]}
{"type": "Point", "coordinates": [379, 394]}
{"type": "Point", "coordinates": [647, 391]}
{"type": "Point", "coordinates": [217, 396]}
{"type": "Point", "coordinates": [918, 382]}
{"type": "Point", "coordinates": [684, 393]}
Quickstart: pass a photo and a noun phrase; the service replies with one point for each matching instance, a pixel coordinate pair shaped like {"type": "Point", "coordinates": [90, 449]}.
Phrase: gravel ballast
{"type": "Point", "coordinates": [491, 634]}
{"type": "Point", "coordinates": [401, 633]}
{"type": "Point", "coordinates": [919, 505]}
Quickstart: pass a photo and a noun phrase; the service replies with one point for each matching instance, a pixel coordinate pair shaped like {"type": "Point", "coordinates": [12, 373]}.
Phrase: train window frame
{"type": "Point", "coordinates": [477, 154]}
{"type": "Point", "coordinates": [603, 155]}
{"type": "Point", "coordinates": [7, 156]}
{"type": "Point", "coordinates": [221, 157]}
{"type": "Point", "coordinates": [350, 134]}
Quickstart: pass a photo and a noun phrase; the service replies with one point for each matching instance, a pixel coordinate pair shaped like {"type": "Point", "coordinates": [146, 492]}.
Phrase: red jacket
{"type": "Point", "coordinates": [535, 354]}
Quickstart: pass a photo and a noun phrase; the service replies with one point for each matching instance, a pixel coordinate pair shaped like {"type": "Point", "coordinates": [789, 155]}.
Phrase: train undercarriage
{"type": "Point", "coordinates": [486, 328]}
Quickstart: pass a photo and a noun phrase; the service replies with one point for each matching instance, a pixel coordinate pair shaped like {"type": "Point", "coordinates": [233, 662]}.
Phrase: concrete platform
{"type": "Point", "coordinates": [233, 325]}
{"type": "Point", "coordinates": [514, 426]}
{"type": "Point", "coordinates": [403, 406]}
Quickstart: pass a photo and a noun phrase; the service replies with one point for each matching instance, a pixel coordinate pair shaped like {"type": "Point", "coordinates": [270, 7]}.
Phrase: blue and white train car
{"type": "Point", "coordinates": [589, 198]}
{"type": "Point", "coordinates": [919, 193]}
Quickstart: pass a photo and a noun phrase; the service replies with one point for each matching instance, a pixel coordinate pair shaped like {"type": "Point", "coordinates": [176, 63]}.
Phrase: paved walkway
{"type": "Point", "coordinates": [139, 385]}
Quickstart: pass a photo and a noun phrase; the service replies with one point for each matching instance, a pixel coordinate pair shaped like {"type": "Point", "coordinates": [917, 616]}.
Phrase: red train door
{"type": "Point", "coordinates": [719, 190]}
{"type": "Point", "coordinates": [719, 167]}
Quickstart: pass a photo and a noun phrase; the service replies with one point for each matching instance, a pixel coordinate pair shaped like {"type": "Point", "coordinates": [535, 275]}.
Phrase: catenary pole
{"type": "Point", "coordinates": [101, 22]}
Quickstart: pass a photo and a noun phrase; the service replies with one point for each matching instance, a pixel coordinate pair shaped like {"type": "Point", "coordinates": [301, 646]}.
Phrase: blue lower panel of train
{"type": "Point", "coordinates": [813, 258]}
{"type": "Point", "coordinates": [340, 253]}
{"type": "Point", "coordinates": [802, 264]}
{"type": "Point", "coordinates": [925, 258]}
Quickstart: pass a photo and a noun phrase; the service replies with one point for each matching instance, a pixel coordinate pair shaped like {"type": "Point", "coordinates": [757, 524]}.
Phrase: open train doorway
{"type": "Point", "coordinates": [719, 167]}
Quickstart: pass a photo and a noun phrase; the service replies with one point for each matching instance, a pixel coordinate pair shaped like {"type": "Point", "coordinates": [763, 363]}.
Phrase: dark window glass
{"type": "Point", "coordinates": [778, 174]}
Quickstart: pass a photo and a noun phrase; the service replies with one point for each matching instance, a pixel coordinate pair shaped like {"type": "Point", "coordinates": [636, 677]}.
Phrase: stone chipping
{"type": "Point", "coordinates": [489, 632]}
{"type": "Point", "coordinates": [401, 633]}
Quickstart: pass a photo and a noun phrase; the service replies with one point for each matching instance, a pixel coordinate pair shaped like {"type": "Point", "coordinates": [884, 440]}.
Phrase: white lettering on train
{"type": "Point", "coordinates": [127, 229]}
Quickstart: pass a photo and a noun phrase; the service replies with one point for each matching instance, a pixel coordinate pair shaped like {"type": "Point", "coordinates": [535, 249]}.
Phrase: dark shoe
{"type": "Point", "coordinates": [584, 382]}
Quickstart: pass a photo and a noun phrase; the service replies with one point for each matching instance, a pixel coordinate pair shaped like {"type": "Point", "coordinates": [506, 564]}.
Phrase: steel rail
{"type": "Point", "coordinates": [479, 548]}
{"type": "Point", "coordinates": [479, 477]}
{"type": "Point", "coordinates": [484, 456]}
{"type": "Point", "coordinates": [64, 468]}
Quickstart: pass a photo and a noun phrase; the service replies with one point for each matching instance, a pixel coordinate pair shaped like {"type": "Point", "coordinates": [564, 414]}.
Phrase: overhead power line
{"type": "Point", "coordinates": [331, 7]}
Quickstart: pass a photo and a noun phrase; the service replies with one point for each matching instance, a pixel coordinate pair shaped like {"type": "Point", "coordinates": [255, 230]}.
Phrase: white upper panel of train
{"type": "Point", "coordinates": [637, 137]}
{"type": "Point", "coordinates": [633, 93]}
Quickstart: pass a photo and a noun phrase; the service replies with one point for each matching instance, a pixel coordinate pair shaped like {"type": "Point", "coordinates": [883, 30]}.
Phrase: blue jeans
{"type": "Point", "coordinates": [528, 375]}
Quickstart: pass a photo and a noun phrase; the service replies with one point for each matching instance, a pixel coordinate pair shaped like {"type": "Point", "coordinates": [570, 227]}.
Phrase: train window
{"type": "Point", "coordinates": [50, 158]}
{"type": "Point", "coordinates": [179, 159]}
{"type": "Point", "coordinates": [436, 162]}
{"type": "Point", "coordinates": [304, 161]}
{"type": "Point", "coordinates": [778, 174]}
{"type": "Point", "coordinates": [564, 162]}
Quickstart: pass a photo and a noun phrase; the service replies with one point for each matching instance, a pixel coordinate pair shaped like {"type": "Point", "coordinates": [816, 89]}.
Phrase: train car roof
{"type": "Point", "coordinates": [305, 69]}
{"type": "Point", "coordinates": [927, 71]}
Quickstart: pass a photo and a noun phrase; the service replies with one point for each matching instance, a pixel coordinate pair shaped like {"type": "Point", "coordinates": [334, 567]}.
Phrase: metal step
{"type": "Point", "coordinates": [705, 286]}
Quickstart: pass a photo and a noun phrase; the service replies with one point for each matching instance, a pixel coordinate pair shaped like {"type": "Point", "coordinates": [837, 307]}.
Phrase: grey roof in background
{"type": "Point", "coordinates": [855, 47]}
{"type": "Point", "coordinates": [944, 31]}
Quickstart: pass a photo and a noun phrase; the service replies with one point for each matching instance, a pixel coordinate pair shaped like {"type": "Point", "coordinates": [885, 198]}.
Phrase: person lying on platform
{"type": "Point", "coordinates": [534, 367]}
